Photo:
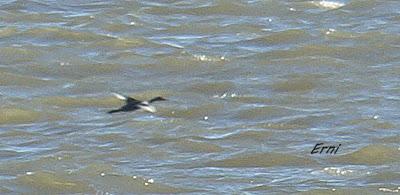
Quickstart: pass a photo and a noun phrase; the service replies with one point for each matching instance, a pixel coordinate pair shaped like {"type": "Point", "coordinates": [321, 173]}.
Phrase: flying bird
{"type": "Point", "coordinates": [132, 104]}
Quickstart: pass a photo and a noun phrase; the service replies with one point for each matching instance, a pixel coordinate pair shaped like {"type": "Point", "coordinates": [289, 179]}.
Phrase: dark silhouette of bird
{"type": "Point", "coordinates": [132, 104]}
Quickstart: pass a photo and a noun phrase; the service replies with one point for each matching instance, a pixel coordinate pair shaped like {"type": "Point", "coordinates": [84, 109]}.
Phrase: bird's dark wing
{"type": "Point", "coordinates": [127, 99]}
{"type": "Point", "coordinates": [114, 111]}
{"type": "Point", "coordinates": [129, 107]}
{"type": "Point", "coordinates": [130, 100]}
{"type": "Point", "coordinates": [125, 108]}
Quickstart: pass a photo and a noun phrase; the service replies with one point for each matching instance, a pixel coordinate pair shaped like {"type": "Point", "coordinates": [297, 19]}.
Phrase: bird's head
{"type": "Point", "coordinates": [159, 98]}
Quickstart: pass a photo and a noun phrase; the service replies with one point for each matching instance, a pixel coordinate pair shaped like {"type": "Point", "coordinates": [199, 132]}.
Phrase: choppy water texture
{"type": "Point", "coordinates": [252, 87]}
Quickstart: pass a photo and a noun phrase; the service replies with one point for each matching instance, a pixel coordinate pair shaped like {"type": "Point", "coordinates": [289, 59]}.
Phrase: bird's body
{"type": "Point", "coordinates": [132, 104]}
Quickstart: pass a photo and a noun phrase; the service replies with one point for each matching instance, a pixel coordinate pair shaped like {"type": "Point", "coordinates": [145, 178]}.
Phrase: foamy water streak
{"type": "Point", "coordinates": [328, 4]}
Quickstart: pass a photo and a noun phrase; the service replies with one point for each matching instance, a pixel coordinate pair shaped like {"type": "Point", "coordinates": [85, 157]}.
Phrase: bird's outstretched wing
{"type": "Point", "coordinates": [127, 99]}
{"type": "Point", "coordinates": [148, 108]}
{"type": "Point", "coordinates": [119, 96]}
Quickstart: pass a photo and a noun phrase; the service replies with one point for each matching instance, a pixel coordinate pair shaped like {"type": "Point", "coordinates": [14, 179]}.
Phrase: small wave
{"type": "Point", "coordinates": [261, 160]}
{"type": "Point", "coordinates": [196, 111]}
{"type": "Point", "coordinates": [52, 183]}
{"type": "Point", "coordinates": [205, 58]}
{"type": "Point", "coordinates": [263, 112]}
{"type": "Point", "coordinates": [11, 55]}
{"type": "Point", "coordinates": [16, 115]}
{"type": "Point", "coordinates": [295, 85]}
{"type": "Point", "coordinates": [185, 145]}
{"type": "Point", "coordinates": [212, 87]}
{"type": "Point", "coordinates": [328, 4]}
{"type": "Point", "coordinates": [8, 31]}
{"type": "Point", "coordinates": [338, 171]}
{"type": "Point", "coordinates": [9, 79]}
{"type": "Point", "coordinates": [282, 37]}
{"type": "Point", "coordinates": [371, 155]}
{"type": "Point", "coordinates": [23, 116]}
{"type": "Point", "coordinates": [78, 102]}
{"type": "Point", "coordinates": [64, 34]}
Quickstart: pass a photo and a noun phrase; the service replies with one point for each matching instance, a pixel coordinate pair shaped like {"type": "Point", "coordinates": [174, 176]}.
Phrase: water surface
{"type": "Point", "coordinates": [252, 87]}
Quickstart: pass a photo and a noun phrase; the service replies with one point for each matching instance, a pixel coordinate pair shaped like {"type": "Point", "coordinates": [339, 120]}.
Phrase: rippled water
{"type": "Point", "coordinates": [252, 86]}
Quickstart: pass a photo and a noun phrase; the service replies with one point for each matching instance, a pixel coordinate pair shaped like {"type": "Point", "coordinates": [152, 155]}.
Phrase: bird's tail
{"type": "Point", "coordinates": [114, 111]}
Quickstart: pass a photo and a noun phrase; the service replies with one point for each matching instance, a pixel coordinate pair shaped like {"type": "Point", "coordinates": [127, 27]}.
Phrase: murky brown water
{"type": "Point", "coordinates": [252, 87]}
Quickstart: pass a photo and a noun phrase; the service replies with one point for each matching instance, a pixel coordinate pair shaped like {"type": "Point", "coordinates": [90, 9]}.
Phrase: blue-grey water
{"type": "Point", "coordinates": [252, 87]}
